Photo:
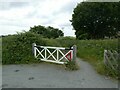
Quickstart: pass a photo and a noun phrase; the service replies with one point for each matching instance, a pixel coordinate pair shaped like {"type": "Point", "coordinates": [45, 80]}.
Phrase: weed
{"type": "Point", "coordinates": [71, 65]}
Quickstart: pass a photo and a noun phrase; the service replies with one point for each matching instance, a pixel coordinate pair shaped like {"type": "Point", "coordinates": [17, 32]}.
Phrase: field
{"type": "Point", "coordinates": [17, 49]}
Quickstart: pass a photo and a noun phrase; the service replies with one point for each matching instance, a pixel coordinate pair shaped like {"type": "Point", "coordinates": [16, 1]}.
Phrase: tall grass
{"type": "Point", "coordinates": [92, 51]}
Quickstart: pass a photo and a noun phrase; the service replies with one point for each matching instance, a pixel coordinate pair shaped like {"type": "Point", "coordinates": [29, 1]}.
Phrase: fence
{"type": "Point", "coordinates": [111, 59]}
{"type": "Point", "coordinates": [58, 55]}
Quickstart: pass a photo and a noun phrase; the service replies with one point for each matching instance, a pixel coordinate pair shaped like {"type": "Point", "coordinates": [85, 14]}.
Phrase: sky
{"type": "Point", "coordinates": [16, 16]}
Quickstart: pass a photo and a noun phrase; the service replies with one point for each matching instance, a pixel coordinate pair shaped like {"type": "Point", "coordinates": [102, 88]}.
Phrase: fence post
{"type": "Point", "coordinates": [34, 49]}
{"type": "Point", "coordinates": [74, 52]}
{"type": "Point", "coordinates": [105, 61]}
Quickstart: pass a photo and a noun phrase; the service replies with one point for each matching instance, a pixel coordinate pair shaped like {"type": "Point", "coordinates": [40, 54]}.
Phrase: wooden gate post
{"type": "Point", "coordinates": [34, 49]}
{"type": "Point", "coordinates": [74, 52]}
{"type": "Point", "coordinates": [105, 61]}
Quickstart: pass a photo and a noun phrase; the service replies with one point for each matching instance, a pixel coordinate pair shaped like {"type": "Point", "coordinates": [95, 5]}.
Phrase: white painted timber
{"type": "Point", "coordinates": [59, 55]}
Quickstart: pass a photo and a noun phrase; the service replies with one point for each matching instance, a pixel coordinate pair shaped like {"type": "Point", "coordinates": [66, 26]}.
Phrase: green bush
{"type": "Point", "coordinates": [18, 48]}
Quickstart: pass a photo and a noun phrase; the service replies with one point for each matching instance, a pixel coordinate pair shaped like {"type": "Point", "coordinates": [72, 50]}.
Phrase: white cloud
{"type": "Point", "coordinates": [17, 16]}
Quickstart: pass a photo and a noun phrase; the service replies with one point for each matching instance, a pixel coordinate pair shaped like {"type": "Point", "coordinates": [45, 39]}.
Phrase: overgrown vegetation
{"type": "Point", "coordinates": [17, 49]}
{"type": "Point", "coordinates": [92, 51]}
{"type": "Point", "coordinates": [102, 23]}
{"type": "Point", "coordinates": [72, 65]}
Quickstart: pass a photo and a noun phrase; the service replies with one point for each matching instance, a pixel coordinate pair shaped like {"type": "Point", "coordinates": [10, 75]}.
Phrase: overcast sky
{"type": "Point", "coordinates": [19, 16]}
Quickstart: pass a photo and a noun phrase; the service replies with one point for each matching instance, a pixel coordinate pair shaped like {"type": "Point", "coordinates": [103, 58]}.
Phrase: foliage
{"type": "Point", "coordinates": [72, 65]}
{"type": "Point", "coordinates": [96, 20]}
{"type": "Point", "coordinates": [18, 48]}
{"type": "Point", "coordinates": [67, 38]}
{"type": "Point", "coordinates": [92, 51]}
{"type": "Point", "coordinates": [67, 41]}
{"type": "Point", "coordinates": [47, 32]}
{"type": "Point", "coordinates": [52, 42]}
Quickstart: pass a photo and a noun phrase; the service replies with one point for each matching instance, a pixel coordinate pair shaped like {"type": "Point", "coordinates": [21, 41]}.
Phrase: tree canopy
{"type": "Point", "coordinates": [47, 32]}
{"type": "Point", "coordinates": [96, 20]}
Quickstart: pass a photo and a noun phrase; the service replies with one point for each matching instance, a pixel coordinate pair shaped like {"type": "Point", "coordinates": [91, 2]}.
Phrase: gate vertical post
{"type": "Point", "coordinates": [74, 52]}
{"type": "Point", "coordinates": [57, 55]}
{"type": "Point", "coordinates": [45, 53]}
{"type": "Point", "coordinates": [34, 49]}
{"type": "Point", "coordinates": [105, 61]}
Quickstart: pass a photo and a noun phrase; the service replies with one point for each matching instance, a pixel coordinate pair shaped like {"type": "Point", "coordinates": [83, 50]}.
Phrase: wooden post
{"type": "Point", "coordinates": [74, 52]}
{"type": "Point", "coordinates": [34, 49]}
{"type": "Point", "coordinates": [57, 54]}
{"type": "Point", "coordinates": [105, 61]}
{"type": "Point", "coordinates": [45, 53]}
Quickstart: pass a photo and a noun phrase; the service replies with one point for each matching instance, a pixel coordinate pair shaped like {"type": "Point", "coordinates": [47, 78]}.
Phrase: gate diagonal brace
{"type": "Point", "coordinates": [51, 54]}
{"type": "Point", "coordinates": [57, 57]}
{"type": "Point", "coordinates": [64, 56]}
{"type": "Point", "coordinates": [40, 53]}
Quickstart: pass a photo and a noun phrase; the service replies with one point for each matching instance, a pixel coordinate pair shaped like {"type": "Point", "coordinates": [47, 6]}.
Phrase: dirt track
{"type": "Point", "coordinates": [45, 75]}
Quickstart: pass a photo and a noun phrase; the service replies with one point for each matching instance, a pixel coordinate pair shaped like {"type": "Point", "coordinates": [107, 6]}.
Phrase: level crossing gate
{"type": "Point", "coordinates": [58, 55]}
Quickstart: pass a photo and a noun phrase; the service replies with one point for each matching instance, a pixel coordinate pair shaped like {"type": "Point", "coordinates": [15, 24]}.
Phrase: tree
{"type": "Point", "coordinates": [47, 32]}
{"type": "Point", "coordinates": [96, 20]}
{"type": "Point", "coordinates": [55, 33]}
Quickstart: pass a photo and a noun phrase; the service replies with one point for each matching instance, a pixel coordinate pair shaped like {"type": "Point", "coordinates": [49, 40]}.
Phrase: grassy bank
{"type": "Point", "coordinates": [17, 49]}
{"type": "Point", "coordinates": [92, 51]}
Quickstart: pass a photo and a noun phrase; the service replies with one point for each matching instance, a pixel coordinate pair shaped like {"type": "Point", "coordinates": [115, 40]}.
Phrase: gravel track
{"type": "Point", "coordinates": [46, 75]}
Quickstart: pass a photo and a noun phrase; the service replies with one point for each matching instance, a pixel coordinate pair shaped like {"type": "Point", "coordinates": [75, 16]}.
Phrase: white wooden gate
{"type": "Point", "coordinates": [58, 55]}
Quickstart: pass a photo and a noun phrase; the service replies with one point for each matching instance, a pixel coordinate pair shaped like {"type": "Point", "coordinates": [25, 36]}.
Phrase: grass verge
{"type": "Point", "coordinates": [92, 51]}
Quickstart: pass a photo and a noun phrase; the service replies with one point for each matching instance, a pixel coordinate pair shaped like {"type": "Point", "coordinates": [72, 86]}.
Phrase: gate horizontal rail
{"type": "Point", "coordinates": [54, 47]}
{"type": "Point", "coordinates": [58, 54]}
